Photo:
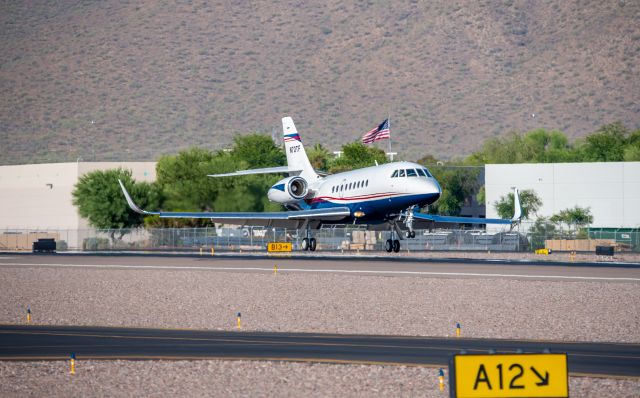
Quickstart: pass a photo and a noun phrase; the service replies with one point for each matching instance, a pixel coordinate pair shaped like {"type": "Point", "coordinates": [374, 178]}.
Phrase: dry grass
{"type": "Point", "coordinates": [157, 77]}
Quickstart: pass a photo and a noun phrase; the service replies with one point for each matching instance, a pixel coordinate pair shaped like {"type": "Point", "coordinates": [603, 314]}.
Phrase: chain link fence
{"type": "Point", "coordinates": [340, 238]}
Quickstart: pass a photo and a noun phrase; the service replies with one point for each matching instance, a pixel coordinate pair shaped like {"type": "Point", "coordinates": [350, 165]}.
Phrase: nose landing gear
{"type": "Point", "coordinates": [408, 222]}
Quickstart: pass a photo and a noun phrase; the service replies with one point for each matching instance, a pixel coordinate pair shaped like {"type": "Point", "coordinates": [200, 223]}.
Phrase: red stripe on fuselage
{"type": "Point", "coordinates": [361, 197]}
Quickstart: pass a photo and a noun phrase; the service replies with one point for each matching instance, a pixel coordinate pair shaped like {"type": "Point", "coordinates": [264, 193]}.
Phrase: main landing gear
{"type": "Point", "coordinates": [392, 245]}
{"type": "Point", "coordinates": [309, 244]}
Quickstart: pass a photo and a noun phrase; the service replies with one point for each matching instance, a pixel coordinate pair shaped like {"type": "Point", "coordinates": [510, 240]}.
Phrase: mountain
{"type": "Point", "coordinates": [130, 80]}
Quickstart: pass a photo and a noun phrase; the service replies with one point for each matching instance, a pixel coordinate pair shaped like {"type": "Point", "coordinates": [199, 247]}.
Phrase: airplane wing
{"type": "Point", "coordinates": [459, 220]}
{"type": "Point", "coordinates": [266, 170]}
{"type": "Point", "coordinates": [283, 219]}
{"type": "Point", "coordinates": [517, 214]}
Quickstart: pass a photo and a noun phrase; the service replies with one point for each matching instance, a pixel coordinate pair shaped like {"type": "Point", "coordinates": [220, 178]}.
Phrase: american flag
{"type": "Point", "coordinates": [381, 132]}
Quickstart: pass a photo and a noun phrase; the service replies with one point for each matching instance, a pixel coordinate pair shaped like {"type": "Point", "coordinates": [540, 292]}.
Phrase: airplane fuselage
{"type": "Point", "coordinates": [375, 194]}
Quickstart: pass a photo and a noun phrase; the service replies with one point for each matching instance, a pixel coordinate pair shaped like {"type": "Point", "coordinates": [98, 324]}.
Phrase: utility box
{"type": "Point", "coordinates": [604, 250]}
{"type": "Point", "coordinates": [44, 246]}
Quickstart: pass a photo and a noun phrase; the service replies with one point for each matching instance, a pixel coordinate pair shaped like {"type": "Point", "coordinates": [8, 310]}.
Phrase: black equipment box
{"type": "Point", "coordinates": [604, 250]}
{"type": "Point", "coordinates": [47, 245]}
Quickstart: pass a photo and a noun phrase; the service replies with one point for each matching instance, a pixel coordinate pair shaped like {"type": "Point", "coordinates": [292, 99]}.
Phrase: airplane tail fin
{"type": "Point", "coordinates": [296, 156]}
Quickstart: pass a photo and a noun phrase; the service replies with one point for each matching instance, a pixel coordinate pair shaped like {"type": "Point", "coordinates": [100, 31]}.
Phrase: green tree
{"type": "Point", "coordinates": [100, 200]}
{"type": "Point", "coordinates": [428, 160]}
{"type": "Point", "coordinates": [529, 202]}
{"type": "Point", "coordinates": [632, 149]}
{"type": "Point", "coordinates": [186, 186]}
{"type": "Point", "coordinates": [458, 184]}
{"type": "Point", "coordinates": [536, 146]}
{"type": "Point", "coordinates": [541, 230]}
{"type": "Point", "coordinates": [319, 157]}
{"type": "Point", "coordinates": [575, 218]}
{"type": "Point", "coordinates": [184, 182]}
{"type": "Point", "coordinates": [256, 151]}
{"type": "Point", "coordinates": [357, 155]}
{"type": "Point", "coordinates": [605, 145]}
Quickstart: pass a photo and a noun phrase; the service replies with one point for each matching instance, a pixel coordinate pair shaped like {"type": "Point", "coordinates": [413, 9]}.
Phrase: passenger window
{"type": "Point", "coordinates": [428, 174]}
{"type": "Point", "coordinates": [401, 174]}
{"type": "Point", "coordinates": [421, 172]}
{"type": "Point", "coordinates": [341, 188]}
{"type": "Point", "coordinates": [411, 173]}
{"type": "Point", "coordinates": [350, 185]}
{"type": "Point", "coordinates": [395, 174]}
{"type": "Point", "coordinates": [367, 183]}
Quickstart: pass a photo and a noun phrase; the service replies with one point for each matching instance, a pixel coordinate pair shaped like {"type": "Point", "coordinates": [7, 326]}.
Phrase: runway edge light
{"type": "Point", "coordinates": [458, 331]}
{"type": "Point", "coordinates": [441, 379]}
{"type": "Point", "coordinates": [28, 314]}
{"type": "Point", "coordinates": [238, 316]}
{"type": "Point", "coordinates": [72, 363]}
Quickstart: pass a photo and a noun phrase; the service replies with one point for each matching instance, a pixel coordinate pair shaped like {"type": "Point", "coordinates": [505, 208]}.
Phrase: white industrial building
{"type": "Point", "coordinates": [37, 197]}
{"type": "Point", "coordinates": [611, 190]}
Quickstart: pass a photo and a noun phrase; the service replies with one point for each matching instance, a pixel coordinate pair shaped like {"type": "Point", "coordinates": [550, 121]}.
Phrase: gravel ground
{"type": "Point", "coordinates": [500, 308]}
{"type": "Point", "coordinates": [244, 378]}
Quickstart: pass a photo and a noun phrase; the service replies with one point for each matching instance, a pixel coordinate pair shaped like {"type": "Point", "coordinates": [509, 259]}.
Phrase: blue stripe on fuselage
{"type": "Point", "coordinates": [376, 210]}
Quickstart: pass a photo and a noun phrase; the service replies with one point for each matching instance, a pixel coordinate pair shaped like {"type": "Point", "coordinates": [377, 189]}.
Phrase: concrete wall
{"type": "Point", "coordinates": [38, 196]}
{"type": "Point", "coordinates": [611, 190]}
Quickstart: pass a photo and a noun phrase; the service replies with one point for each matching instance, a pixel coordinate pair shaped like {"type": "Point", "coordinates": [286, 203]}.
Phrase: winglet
{"type": "Point", "coordinates": [517, 209]}
{"type": "Point", "coordinates": [132, 205]}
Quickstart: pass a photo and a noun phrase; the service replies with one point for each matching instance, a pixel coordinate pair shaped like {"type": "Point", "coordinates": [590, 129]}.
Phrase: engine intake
{"type": "Point", "coordinates": [288, 190]}
{"type": "Point", "coordinates": [297, 187]}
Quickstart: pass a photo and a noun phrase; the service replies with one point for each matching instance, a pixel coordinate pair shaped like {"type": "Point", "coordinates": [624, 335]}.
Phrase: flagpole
{"type": "Point", "coordinates": [389, 121]}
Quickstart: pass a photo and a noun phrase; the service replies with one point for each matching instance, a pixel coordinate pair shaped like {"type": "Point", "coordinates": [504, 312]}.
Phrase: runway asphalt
{"type": "Point", "coordinates": [58, 342]}
{"type": "Point", "coordinates": [402, 266]}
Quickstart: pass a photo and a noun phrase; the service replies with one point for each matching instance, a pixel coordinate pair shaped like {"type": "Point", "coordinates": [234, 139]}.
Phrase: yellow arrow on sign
{"type": "Point", "coordinates": [509, 375]}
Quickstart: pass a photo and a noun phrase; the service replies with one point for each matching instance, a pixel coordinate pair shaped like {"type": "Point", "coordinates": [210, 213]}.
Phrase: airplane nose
{"type": "Point", "coordinates": [433, 189]}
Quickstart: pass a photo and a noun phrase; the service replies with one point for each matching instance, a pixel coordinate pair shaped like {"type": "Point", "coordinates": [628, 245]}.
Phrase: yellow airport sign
{"type": "Point", "coordinates": [275, 247]}
{"type": "Point", "coordinates": [509, 375]}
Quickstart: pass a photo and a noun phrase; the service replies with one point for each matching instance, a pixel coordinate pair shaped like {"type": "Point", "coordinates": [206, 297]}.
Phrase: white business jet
{"type": "Point", "coordinates": [390, 194]}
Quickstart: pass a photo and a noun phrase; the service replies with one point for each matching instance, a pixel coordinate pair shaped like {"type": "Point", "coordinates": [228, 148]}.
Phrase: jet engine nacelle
{"type": "Point", "coordinates": [288, 190]}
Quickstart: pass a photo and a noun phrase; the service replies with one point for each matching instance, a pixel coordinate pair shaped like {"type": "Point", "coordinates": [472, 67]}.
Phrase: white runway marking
{"type": "Point", "coordinates": [335, 271]}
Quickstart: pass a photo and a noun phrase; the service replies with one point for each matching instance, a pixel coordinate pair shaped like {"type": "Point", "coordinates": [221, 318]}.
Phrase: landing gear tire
{"type": "Point", "coordinates": [396, 246]}
{"type": "Point", "coordinates": [305, 244]}
{"type": "Point", "coordinates": [388, 245]}
{"type": "Point", "coordinates": [312, 244]}
{"type": "Point", "coordinates": [413, 234]}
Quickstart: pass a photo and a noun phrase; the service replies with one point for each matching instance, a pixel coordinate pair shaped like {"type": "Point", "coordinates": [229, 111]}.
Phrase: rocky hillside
{"type": "Point", "coordinates": [118, 80]}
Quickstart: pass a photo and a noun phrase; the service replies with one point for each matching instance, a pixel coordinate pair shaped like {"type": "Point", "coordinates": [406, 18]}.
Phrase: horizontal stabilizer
{"type": "Point", "coordinates": [266, 170]}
